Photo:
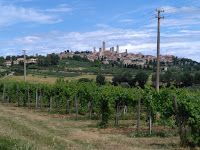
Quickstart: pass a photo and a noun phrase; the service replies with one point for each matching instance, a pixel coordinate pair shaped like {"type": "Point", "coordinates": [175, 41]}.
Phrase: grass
{"type": "Point", "coordinates": [7, 143]}
{"type": "Point", "coordinates": [30, 78]}
{"type": "Point", "coordinates": [49, 80]}
{"type": "Point", "coordinates": [2, 70]}
{"type": "Point", "coordinates": [46, 131]}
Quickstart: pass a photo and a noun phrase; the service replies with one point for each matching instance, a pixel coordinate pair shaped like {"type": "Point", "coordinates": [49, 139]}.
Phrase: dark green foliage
{"type": "Point", "coordinates": [84, 80]}
{"type": "Point", "coordinates": [100, 79]}
{"type": "Point", "coordinates": [187, 79]}
{"type": "Point", "coordinates": [197, 78]}
{"type": "Point", "coordinates": [18, 72]}
{"type": "Point", "coordinates": [97, 63]}
{"type": "Point", "coordinates": [55, 74]}
{"type": "Point", "coordinates": [105, 111]}
{"type": "Point", "coordinates": [79, 58]}
{"type": "Point", "coordinates": [141, 78]}
{"type": "Point", "coordinates": [49, 60]}
{"type": "Point", "coordinates": [8, 57]}
{"type": "Point", "coordinates": [123, 77]}
{"type": "Point", "coordinates": [167, 78]}
{"type": "Point", "coordinates": [7, 72]}
{"type": "Point", "coordinates": [2, 60]}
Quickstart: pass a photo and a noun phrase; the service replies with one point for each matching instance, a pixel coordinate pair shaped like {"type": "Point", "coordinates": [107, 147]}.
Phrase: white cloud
{"type": "Point", "coordinates": [59, 10]}
{"type": "Point", "coordinates": [172, 10]}
{"type": "Point", "coordinates": [182, 44]}
{"type": "Point", "coordinates": [126, 20]}
{"type": "Point", "coordinates": [102, 25]}
{"type": "Point", "coordinates": [11, 14]}
{"type": "Point", "coordinates": [176, 22]}
{"type": "Point", "coordinates": [63, 5]}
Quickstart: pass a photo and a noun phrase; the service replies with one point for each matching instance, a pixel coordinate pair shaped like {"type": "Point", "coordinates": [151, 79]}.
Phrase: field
{"type": "Point", "coordinates": [49, 80]}
{"type": "Point", "coordinates": [30, 128]}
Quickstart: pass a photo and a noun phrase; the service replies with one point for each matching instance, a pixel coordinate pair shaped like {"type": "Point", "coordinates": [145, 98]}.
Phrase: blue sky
{"type": "Point", "coordinates": [46, 26]}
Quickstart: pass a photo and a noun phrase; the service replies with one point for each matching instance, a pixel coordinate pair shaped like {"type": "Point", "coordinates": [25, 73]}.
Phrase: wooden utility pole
{"type": "Point", "coordinates": [158, 51]}
{"type": "Point", "coordinates": [24, 65]}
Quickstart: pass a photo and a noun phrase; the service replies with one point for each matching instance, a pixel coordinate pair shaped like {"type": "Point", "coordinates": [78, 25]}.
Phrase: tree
{"type": "Point", "coordinates": [100, 79]}
{"type": "Point", "coordinates": [187, 79]}
{"type": "Point", "coordinates": [123, 77]}
{"type": "Point", "coordinates": [141, 78]}
{"type": "Point", "coordinates": [54, 59]}
{"type": "Point", "coordinates": [97, 63]}
{"type": "Point", "coordinates": [197, 78]}
{"type": "Point", "coordinates": [84, 80]}
{"type": "Point", "coordinates": [8, 57]}
{"type": "Point", "coordinates": [167, 78]}
{"type": "Point", "coordinates": [2, 60]}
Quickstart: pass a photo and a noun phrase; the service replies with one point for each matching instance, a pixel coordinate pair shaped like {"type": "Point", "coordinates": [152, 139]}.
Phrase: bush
{"type": "Point", "coordinates": [100, 79]}
{"type": "Point", "coordinates": [84, 80]}
{"type": "Point", "coordinates": [141, 78]}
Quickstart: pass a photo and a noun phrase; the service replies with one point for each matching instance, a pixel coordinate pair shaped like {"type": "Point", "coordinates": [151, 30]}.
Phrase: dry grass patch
{"type": "Point", "coordinates": [30, 79]}
{"type": "Point", "coordinates": [48, 80]}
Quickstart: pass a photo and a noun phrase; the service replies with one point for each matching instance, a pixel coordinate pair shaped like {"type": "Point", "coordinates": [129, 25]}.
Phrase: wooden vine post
{"type": "Point", "coordinates": [91, 109]}
{"type": "Point", "coordinates": [36, 98]}
{"type": "Point", "coordinates": [40, 99]}
{"type": "Point", "coordinates": [8, 97]}
{"type": "Point", "coordinates": [50, 106]}
{"type": "Point", "coordinates": [57, 104]}
{"type": "Point", "coordinates": [18, 97]}
{"type": "Point", "coordinates": [138, 113]}
{"type": "Point", "coordinates": [75, 100]}
{"type": "Point", "coordinates": [67, 105]}
{"type": "Point", "coordinates": [150, 116]}
{"type": "Point", "coordinates": [28, 96]}
{"type": "Point", "coordinates": [4, 92]}
{"type": "Point", "coordinates": [117, 112]}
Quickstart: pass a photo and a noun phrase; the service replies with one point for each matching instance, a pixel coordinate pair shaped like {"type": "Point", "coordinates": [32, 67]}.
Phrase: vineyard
{"type": "Point", "coordinates": [177, 108]}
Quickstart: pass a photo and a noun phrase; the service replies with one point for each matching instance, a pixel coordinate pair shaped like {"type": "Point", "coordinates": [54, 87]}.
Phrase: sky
{"type": "Point", "coordinates": [54, 26]}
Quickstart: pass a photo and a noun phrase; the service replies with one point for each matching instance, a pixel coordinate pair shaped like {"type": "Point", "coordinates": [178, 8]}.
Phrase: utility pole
{"type": "Point", "coordinates": [24, 65]}
{"type": "Point", "coordinates": [158, 51]}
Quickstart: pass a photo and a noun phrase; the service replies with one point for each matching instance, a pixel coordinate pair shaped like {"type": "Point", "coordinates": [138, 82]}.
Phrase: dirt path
{"type": "Point", "coordinates": [46, 131]}
{"type": "Point", "coordinates": [149, 81]}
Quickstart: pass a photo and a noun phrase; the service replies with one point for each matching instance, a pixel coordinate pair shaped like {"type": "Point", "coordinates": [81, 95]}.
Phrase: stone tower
{"type": "Point", "coordinates": [100, 52]}
{"type": "Point", "coordinates": [113, 49]}
{"type": "Point", "coordinates": [126, 51]}
{"type": "Point", "coordinates": [104, 46]}
{"type": "Point", "coordinates": [94, 51]}
{"type": "Point", "coordinates": [117, 49]}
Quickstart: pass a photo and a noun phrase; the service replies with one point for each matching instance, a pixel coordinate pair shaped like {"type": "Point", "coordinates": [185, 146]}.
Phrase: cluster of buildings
{"type": "Point", "coordinates": [113, 54]}
{"type": "Point", "coordinates": [16, 62]}
{"type": "Point", "coordinates": [106, 55]}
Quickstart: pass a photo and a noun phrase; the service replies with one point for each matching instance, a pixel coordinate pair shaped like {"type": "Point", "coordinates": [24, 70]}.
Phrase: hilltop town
{"type": "Point", "coordinates": [114, 55]}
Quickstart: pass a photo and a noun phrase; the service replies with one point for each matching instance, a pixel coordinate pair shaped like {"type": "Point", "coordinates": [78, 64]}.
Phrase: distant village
{"type": "Point", "coordinates": [17, 62]}
{"type": "Point", "coordinates": [112, 54]}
